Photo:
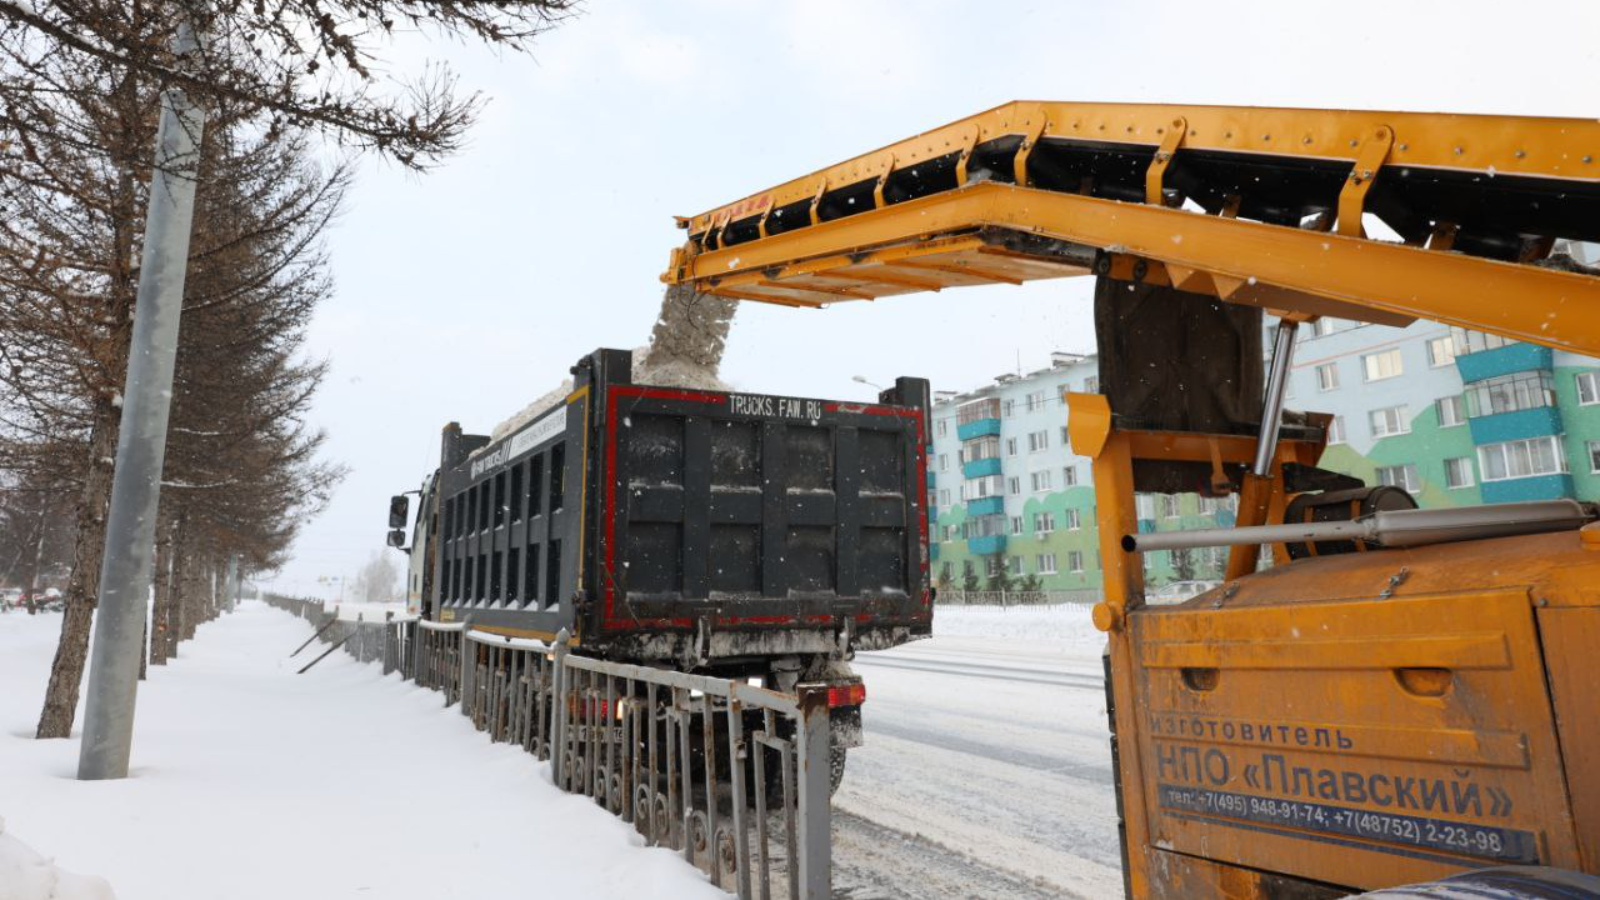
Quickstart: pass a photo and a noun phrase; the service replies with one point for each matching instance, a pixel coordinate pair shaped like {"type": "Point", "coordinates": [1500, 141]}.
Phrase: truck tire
{"type": "Point", "coordinates": [836, 759]}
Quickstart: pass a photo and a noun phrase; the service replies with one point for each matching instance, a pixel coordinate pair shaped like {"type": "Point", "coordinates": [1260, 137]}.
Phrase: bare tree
{"type": "Point", "coordinates": [378, 581]}
{"type": "Point", "coordinates": [78, 87]}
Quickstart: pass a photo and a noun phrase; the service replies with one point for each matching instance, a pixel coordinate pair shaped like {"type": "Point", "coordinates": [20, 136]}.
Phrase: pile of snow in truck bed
{"type": "Point", "coordinates": [252, 782]}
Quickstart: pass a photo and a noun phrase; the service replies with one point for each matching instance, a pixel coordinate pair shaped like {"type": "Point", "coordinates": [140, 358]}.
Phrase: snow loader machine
{"type": "Point", "coordinates": [1401, 696]}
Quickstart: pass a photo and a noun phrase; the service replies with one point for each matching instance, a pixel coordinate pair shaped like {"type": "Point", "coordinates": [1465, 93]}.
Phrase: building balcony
{"type": "Point", "coordinates": [987, 545]}
{"type": "Point", "coordinates": [981, 467]}
{"type": "Point", "coordinates": [933, 551]}
{"type": "Point", "coordinates": [1507, 360]}
{"type": "Point", "coordinates": [978, 428]}
{"type": "Point", "coordinates": [986, 506]}
{"type": "Point", "coordinates": [1514, 426]}
{"type": "Point", "coordinates": [1537, 487]}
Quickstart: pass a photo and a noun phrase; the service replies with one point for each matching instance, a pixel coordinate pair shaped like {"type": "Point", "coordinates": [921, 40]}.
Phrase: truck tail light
{"type": "Point", "coordinates": [847, 694]}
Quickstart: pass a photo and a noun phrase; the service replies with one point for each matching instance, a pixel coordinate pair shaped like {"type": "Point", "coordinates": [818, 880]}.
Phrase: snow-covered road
{"type": "Point", "coordinates": [987, 771]}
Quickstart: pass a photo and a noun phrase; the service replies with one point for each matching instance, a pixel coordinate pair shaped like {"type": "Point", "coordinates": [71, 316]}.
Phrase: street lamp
{"type": "Point", "coordinates": [861, 380]}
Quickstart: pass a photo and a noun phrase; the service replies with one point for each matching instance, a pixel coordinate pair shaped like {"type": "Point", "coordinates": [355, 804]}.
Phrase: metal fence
{"type": "Point", "coordinates": [1016, 598]}
{"type": "Point", "coordinates": [735, 777]}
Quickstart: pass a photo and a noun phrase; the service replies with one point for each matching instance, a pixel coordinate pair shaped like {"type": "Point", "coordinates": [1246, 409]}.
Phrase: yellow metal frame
{"type": "Point", "coordinates": [1530, 303]}
{"type": "Point", "coordinates": [1512, 145]}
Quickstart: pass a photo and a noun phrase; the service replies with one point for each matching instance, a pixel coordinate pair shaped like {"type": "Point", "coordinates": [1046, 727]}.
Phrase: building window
{"type": "Point", "coordinates": [1392, 420]}
{"type": "Point", "coordinates": [1210, 505]}
{"type": "Point", "coordinates": [1336, 430]}
{"type": "Point", "coordinates": [1014, 485]}
{"type": "Point", "coordinates": [1047, 563]}
{"type": "Point", "coordinates": [1594, 457]}
{"type": "Point", "coordinates": [1168, 504]}
{"type": "Point", "coordinates": [1144, 506]}
{"type": "Point", "coordinates": [1014, 565]}
{"type": "Point", "coordinates": [942, 427]}
{"type": "Point", "coordinates": [944, 463]}
{"type": "Point", "coordinates": [1011, 408]}
{"type": "Point", "coordinates": [1035, 401]}
{"type": "Point", "coordinates": [1441, 351]}
{"type": "Point", "coordinates": [1066, 439]}
{"type": "Point", "coordinates": [1016, 524]}
{"type": "Point", "coordinates": [1038, 440]}
{"type": "Point", "coordinates": [979, 488]}
{"type": "Point", "coordinates": [1383, 364]}
{"type": "Point", "coordinates": [1069, 476]}
{"type": "Point", "coordinates": [1044, 523]}
{"type": "Point", "coordinates": [1040, 480]}
{"type": "Point", "coordinates": [1452, 411]}
{"type": "Point", "coordinates": [1510, 393]}
{"type": "Point", "coordinates": [1400, 476]}
{"type": "Point", "coordinates": [1521, 459]}
{"type": "Point", "coordinates": [944, 496]}
{"type": "Point", "coordinates": [1464, 341]}
{"type": "Point", "coordinates": [982, 448]}
{"type": "Point", "coordinates": [977, 411]}
{"type": "Point", "coordinates": [992, 565]}
{"type": "Point", "coordinates": [1074, 560]}
{"type": "Point", "coordinates": [1458, 472]}
{"type": "Point", "coordinates": [1074, 520]}
{"type": "Point", "coordinates": [1588, 389]}
{"type": "Point", "coordinates": [1011, 446]}
{"type": "Point", "coordinates": [1328, 376]}
{"type": "Point", "coordinates": [1091, 385]}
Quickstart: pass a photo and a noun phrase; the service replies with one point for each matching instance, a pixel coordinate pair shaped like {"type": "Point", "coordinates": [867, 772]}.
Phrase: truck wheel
{"type": "Point", "coordinates": [836, 758]}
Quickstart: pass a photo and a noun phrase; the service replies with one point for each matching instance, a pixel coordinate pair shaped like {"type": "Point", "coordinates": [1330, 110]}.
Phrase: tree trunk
{"type": "Point", "coordinates": [31, 599]}
{"type": "Point", "coordinates": [162, 582]}
{"type": "Point", "coordinates": [177, 611]}
{"type": "Point", "coordinates": [66, 671]}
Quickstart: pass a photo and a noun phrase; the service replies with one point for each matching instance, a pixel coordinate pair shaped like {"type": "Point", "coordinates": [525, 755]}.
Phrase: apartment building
{"type": "Point", "coordinates": [1453, 416]}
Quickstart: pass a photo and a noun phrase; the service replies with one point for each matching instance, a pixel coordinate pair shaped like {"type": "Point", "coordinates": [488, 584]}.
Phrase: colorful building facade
{"type": "Point", "coordinates": [1455, 417]}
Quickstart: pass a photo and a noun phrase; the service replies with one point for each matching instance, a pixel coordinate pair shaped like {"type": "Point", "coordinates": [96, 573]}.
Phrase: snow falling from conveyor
{"type": "Point", "coordinates": [685, 350]}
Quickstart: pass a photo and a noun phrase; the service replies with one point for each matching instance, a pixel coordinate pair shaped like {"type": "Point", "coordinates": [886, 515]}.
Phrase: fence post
{"type": "Point", "coordinates": [813, 734]}
{"type": "Point", "coordinates": [469, 669]}
{"type": "Point", "coordinates": [558, 711]}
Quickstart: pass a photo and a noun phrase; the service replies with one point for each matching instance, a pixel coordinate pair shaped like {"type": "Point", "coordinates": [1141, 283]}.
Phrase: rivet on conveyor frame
{"type": "Point", "coordinates": [1395, 581]}
{"type": "Point", "coordinates": [1170, 142]}
{"type": "Point", "coordinates": [1353, 196]}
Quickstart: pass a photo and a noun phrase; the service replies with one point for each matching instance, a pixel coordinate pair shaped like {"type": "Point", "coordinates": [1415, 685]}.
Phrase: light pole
{"type": "Point", "coordinates": [119, 619]}
{"type": "Point", "coordinates": [859, 379]}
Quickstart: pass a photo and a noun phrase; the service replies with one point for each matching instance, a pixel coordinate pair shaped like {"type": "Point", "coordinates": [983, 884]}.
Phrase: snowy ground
{"type": "Point", "coordinates": [251, 782]}
{"type": "Point", "coordinates": [986, 771]}
{"type": "Point", "coordinates": [986, 774]}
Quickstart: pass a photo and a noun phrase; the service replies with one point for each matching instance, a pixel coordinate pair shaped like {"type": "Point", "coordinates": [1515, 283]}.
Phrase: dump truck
{"type": "Point", "coordinates": [726, 533]}
{"type": "Point", "coordinates": [1402, 696]}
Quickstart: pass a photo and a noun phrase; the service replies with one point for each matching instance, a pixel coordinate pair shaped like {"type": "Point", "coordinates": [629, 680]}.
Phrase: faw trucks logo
{"type": "Point", "coordinates": [775, 407]}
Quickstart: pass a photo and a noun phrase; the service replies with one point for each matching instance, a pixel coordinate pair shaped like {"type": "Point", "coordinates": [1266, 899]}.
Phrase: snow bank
{"type": "Point", "coordinates": [25, 875]}
{"type": "Point", "coordinates": [1062, 622]}
{"type": "Point", "coordinates": [253, 783]}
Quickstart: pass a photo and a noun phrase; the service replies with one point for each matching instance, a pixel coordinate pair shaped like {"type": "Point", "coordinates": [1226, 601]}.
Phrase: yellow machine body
{"type": "Point", "coordinates": [1328, 724]}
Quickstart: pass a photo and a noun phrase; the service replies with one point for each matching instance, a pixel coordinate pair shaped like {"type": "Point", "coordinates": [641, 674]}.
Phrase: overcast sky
{"type": "Point", "coordinates": [465, 293]}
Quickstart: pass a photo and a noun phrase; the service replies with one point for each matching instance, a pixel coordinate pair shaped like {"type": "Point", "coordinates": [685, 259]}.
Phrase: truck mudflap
{"type": "Point", "coordinates": [1360, 743]}
{"type": "Point", "coordinates": [1500, 883]}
